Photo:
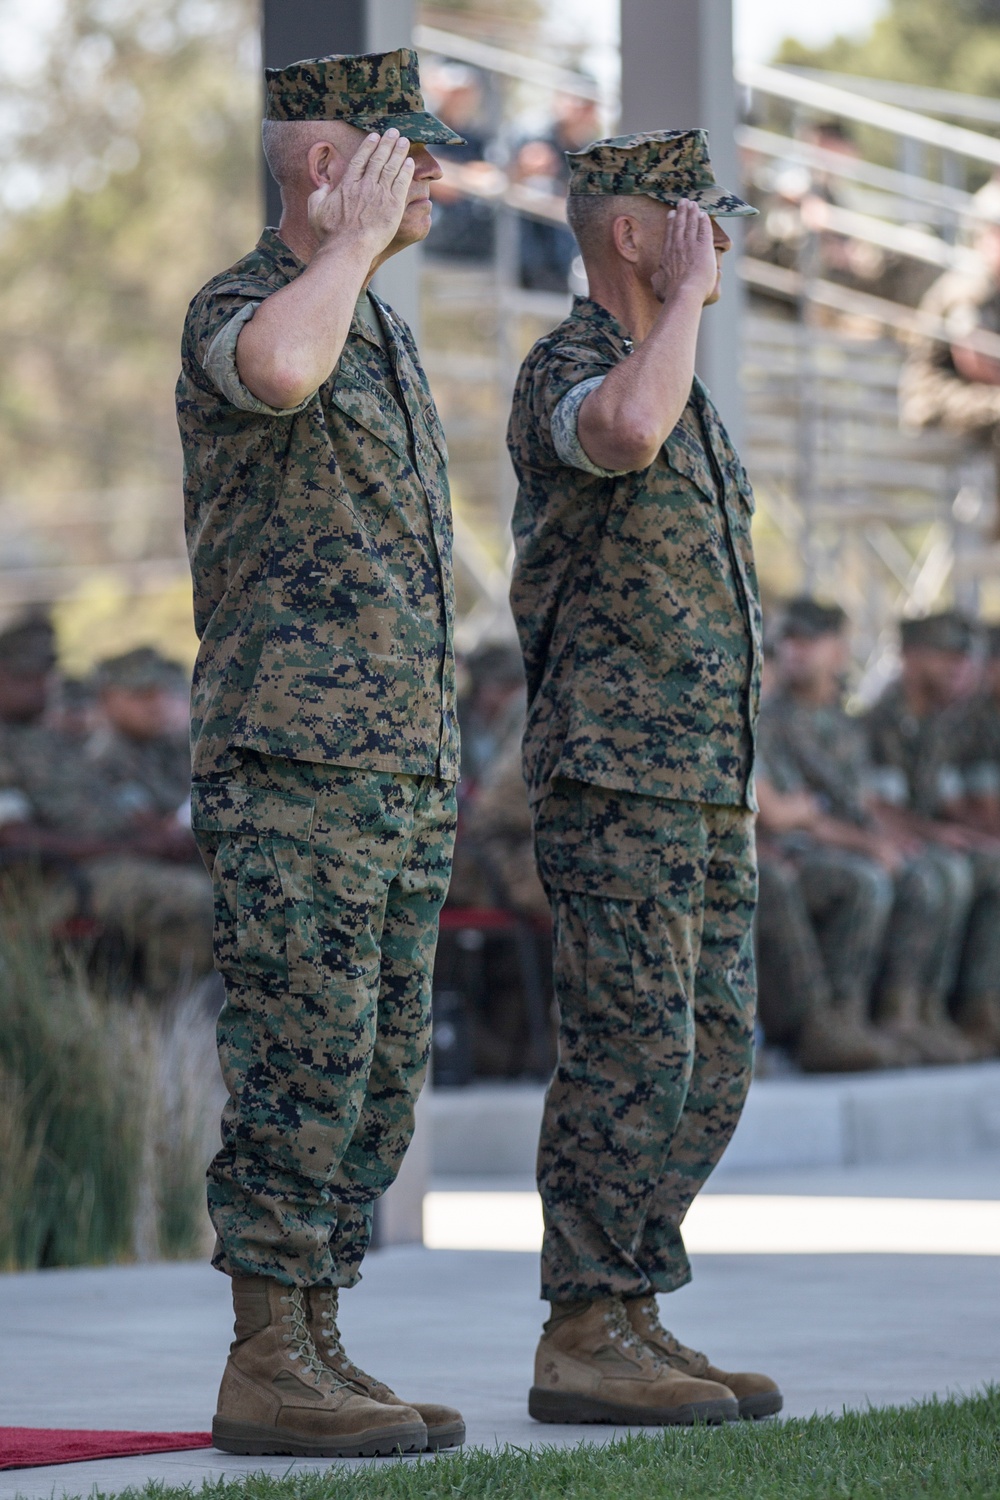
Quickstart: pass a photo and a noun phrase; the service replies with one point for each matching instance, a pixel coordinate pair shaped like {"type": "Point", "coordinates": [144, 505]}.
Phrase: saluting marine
{"type": "Point", "coordinates": [325, 737]}
{"type": "Point", "coordinates": [636, 600]}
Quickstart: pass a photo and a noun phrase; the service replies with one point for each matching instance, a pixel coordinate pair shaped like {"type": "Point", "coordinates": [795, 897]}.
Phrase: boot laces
{"type": "Point", "coordinates": [617, 1319]}
{"type": "Point", "coordinates": [333, 1346]}
{"type": "Point", "coordinates": [300, 1341]}
{"type": "Point", "coordinates": [669, 1341]}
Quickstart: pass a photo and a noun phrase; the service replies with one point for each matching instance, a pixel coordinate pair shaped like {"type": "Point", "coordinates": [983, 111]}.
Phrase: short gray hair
{"type": "Point", "coordinates": [590, 216]}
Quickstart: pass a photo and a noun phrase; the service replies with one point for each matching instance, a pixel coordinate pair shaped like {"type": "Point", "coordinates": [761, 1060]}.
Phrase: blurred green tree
{"type": "Point", "coordinates": [951, 46]}
{"type": "Point", "coordinates": [129, 174]}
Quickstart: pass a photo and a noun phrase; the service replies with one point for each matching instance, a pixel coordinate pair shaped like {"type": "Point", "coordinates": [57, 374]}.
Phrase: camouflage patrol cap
{"type": "Point", "coordinates": [139, 671]}
{"type": "Point", "coordinates": [372, 90]}
{"type": "Point", "coordinates": [28, 646]}
{"type": "Point", "coordinates": [664, 164]}
{"type": "Point", "coordinates": [948, 630]}
{"type": "Point", "coordinates": [805, 619]}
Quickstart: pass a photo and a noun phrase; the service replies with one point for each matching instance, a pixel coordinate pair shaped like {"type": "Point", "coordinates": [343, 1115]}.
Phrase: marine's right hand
{"type": "Point", "coordinates": [367, 203]}
{"type": "Point", "coordinates": [688, 256]}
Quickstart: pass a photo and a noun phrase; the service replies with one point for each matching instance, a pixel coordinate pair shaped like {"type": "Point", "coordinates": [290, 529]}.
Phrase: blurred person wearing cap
{"type": "Point", "coordinates": [635, 597]}
{"type": "Point", "coordinates": [947, 384]}
{"type": "Point", "coordinates": [325, 741]}
{"type": "Point", "coordinates": [64, 814]}
{"type": "Point", "coordinates": [139, 745]}
{"type": "Point", "coordinates": [919, 742]}
{"type": "Point", "coordinates": [889, 909]}
{"type": "Point", "coordinates": [463, 227]}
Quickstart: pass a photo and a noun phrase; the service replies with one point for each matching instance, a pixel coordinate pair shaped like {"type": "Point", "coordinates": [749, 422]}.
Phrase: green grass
{"type": "Point", "coordinates": [936, 1450]}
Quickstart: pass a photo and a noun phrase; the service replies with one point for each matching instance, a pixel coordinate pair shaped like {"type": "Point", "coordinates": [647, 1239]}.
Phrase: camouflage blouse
{"type": "Point", "coordinates": [320, 543]}
{"type": "Point", "coordinates": [635, 594]}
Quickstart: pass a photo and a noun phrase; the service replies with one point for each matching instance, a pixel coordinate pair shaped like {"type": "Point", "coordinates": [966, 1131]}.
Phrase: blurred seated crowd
{"type": "Point", "coordinates": [878, 933]}
{"type": "Point", "coordinates": [95, 809]}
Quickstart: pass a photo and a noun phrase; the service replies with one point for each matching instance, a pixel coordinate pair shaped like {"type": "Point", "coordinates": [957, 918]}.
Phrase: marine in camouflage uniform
{"type": "Point", "coordinates": [902, 927]}
{"type": "Point", "coordinates": [635, 598]}
{"type": "Point", "coordinates": [100, 860]}
{"type": "Point", "coordinates": [919, 751]}
{"type": "Point", "coordinates": [325, 758]}
{"type": "Point", "coordinates": [138, 748]}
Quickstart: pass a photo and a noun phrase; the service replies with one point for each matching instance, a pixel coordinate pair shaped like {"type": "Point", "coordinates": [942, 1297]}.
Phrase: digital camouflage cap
{"type": "Point", "coordinates": [373, 90]}
{"type": "Point", "coordinates": [949, 630]}
{"type": "Point", "coordinates": [140, 671]}
{"type": "Point", "coordinates": [664, 164]}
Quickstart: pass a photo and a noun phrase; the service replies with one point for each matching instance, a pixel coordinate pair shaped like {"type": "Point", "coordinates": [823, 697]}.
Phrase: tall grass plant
{"type": "Point", "coordinates": [107, 1111]}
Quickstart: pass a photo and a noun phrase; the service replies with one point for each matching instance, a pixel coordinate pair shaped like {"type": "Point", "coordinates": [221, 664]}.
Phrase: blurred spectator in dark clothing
{"type": "Point", "coordinates": [547, 250]}
{"type": "Point", "coordinates": [490, 708]}
{"type": "Point", "coordinates": [462, 227]}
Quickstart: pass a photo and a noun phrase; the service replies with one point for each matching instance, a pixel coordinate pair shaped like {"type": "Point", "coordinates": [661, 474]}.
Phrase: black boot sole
{"type": "Point", "coordinates": [765, 1404]}
{"type": "Point", "coordinates": [565, 1407]}
{"type": "Point", "coordinates": [252, 1438]}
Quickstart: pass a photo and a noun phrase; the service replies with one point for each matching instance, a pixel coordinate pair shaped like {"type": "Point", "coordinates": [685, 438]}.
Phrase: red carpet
{"type": "Point", "coordinates": [34, 1447]}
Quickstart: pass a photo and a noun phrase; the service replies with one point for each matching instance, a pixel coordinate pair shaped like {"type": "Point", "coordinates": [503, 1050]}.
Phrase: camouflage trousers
{"type": "Point", "coordinates": [979, 967]}
{"type": "Point", "coordinates": [833, 923]}
{"type": "Point", "coordinates": [328, 884]}
{"type": "Point", "coordinates": [652, 905]}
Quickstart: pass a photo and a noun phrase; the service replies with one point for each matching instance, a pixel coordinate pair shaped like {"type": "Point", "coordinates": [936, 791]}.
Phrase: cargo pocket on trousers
{"type": "Point", "coordinates": [266, 931]}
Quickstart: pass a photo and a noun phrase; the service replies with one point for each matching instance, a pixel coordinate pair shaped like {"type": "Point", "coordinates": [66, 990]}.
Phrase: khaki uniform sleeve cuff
{"type": "Point", "coordinates": [220, 366]}
{"type": "Point", "coordinates": [565, 437]}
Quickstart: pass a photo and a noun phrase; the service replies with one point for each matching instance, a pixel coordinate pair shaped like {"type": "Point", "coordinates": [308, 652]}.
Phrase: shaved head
{"type": "Point", "coordinates": [590, 217]}
{"type": "Point", "coordinates": [287, 144]}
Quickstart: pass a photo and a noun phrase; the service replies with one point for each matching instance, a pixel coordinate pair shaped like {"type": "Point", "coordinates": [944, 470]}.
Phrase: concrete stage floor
{"type": "Point", "coordinates": [143, 1347]}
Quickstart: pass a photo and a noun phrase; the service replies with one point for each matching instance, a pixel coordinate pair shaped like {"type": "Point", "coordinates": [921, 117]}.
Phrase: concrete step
{"type": "Point", "coordinates": [937, 1115]}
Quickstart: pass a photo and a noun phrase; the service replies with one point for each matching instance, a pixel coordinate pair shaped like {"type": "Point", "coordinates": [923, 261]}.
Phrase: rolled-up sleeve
{"type": "Point", "coordinates": [220, 366]}
{"type": "Point", "coordinates": [565, 430]}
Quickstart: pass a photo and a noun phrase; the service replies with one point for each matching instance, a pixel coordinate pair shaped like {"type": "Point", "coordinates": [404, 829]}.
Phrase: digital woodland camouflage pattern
{"type": "Point", "coordinates": [664, 164]}
{"type": "Point", "coordinates": [793, 983]}
{"type": "Point", "coordinates": [931, 390]}
{"type": "Point", "coordinates": [926, 756]}
{"type": "Point", "coordinates": [905, 927]}
{"type": "Point", "coordinates": [373, 90]}
{"type": "Point", "coordinates": [328, 883]}
{"type": "Point", "coordinates": [635, 595]}
{"type": "Point", "coordinates": [320, 544]}
{"type": "Point", "coordinates": [652, 904]}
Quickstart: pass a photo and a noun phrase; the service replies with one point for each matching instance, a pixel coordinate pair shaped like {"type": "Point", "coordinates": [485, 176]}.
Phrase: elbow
{"type": "Point", "coordinates": [635, 445]}
{"type": "Point", "coordinates": [282, 386]}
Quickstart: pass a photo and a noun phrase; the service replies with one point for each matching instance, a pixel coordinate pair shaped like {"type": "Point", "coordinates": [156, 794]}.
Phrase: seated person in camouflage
{"type": "Point", "coordinates": [978, 737]}
{"type": "Point", "coordinates": [954, 385]}
{"type": "Point", "coordinates": [635, 598]}
{"type": "Point", "coordinates": [325, 739]}
{"type": "Point", "coordinates": [141, 746]}
{"type": "Point", "coordinates": [919, 743]}
{"type": "Point", "coordinates": [886, 908]}
{"type": "Point", "coordinates": [101, 857]}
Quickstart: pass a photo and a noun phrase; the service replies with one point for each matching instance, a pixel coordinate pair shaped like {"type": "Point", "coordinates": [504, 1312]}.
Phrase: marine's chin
{"type": "Point", "coordinates": [415, 225]}
{"type": "Point", "coordinates": [715, 293]}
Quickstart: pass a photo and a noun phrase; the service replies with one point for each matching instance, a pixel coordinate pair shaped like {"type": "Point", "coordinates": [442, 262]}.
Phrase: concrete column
{"type": "Point", "coordinates": [677, 73]}
{"type": "Point", "coordinates": [294, 29]}
{"type": "Point", "coordinates": [312, 28]}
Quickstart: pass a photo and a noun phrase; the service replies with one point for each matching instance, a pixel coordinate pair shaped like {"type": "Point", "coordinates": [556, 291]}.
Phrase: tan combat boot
{"type": "Point", "coordinates": [591, 1367]}
{"type": "Point", "coordinates": [832, 1041]}
{"type": "Point", "coordinates": [979, 1021]}
{"type": "Point", "coordinates": [278, 1396]}
{"type": "Point", "coordinates": [758, 1396]}
{"type": "Point", "coordinates": [898, 1015]}
{"type": "Point", "coordinates": [445, 1426]}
